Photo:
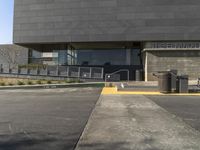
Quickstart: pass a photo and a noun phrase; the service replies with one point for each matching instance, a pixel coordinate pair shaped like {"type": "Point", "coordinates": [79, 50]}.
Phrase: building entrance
{"type": "Point", "coordinates": [111, 56]}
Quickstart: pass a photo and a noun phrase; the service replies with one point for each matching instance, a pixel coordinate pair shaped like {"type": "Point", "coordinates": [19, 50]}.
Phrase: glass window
{"type": "Point", "coordinates": [101, 57]}
{"type": "Point", "coordinates": [88, 57]}
{"type": "Point", "coordinates": [136, 57]}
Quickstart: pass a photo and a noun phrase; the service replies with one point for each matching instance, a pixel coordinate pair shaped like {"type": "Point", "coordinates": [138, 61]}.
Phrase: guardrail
{"type": "Point", "coordinates": [55, 71]}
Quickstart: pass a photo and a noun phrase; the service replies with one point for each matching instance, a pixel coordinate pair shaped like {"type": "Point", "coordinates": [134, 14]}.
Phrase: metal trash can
{"type": "Point", "coordinates": [164, 81]}
{"type": "Point", "coordinates": [139, 75]}
{"type": "Point", "coordinates": [173, 80]}
{"type": "Point", "coordinates": [182, 84]}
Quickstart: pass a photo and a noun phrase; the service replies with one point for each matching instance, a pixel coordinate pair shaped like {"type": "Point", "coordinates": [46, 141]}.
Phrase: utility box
{"type": "Point", "coordinates": [173, 80]}
{"type": "Point", "coordinates": [139, 75]}
{"type": "Point", "coordinates": [164, 81]}
{"type": "Point", "coordinates": [182, 84]}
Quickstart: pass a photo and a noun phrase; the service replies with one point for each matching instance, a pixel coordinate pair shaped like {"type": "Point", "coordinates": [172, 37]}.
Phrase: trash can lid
{"type": "Point", "coordinates": [183, 76]}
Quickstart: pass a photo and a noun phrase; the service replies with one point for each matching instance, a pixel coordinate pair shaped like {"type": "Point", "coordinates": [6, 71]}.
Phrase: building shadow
{"type": "Point", "coordinates": [35, 141]}
{"type": "Point", "coordinates": [145, 144]}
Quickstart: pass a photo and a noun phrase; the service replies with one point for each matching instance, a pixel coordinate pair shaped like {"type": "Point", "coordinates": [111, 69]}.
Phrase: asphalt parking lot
{"type": "Point", "coordinates": [185, 107]}
{"type": "Point", "coordinates": [47, 119]}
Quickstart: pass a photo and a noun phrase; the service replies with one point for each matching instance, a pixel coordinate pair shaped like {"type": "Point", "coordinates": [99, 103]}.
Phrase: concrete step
{"type": "Point", "coordinates": [148, 88]}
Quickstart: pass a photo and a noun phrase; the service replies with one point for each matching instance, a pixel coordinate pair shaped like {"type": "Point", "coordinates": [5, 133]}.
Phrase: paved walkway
{"type": "Point", "coordinates": [114, 91]}
{"type": "Point", "coordinates": [134, 122]}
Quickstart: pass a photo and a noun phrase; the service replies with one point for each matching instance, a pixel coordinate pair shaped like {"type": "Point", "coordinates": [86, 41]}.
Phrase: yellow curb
{"type": "Point", "coordinates": [113, 91]}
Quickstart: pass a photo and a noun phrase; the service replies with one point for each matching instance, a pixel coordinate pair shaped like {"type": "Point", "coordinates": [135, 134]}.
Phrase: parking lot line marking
{"type": "Point", "coordinates": [114, 91]}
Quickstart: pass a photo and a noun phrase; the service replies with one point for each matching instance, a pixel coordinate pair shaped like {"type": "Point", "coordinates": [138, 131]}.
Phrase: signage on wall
{"type": "Point", "coordinates": [175, 45]}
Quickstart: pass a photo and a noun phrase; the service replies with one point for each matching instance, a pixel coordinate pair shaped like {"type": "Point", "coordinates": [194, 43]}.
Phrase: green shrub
{"type": "Point", "coordinates": [2, 84]}
{"type": "Point", "coordinates": [66, 81]}
{"type": "Point", "coordinates": [39, 82]}
{"type": "Point", "coordinates": [73, 81]}
{"type": "Point", "coordinates": [77, 81]}
{"type": "Point", "coordinates": [10, 84]}
{"type": "Point", "coordinates": [49, 82]}
{"type": "Point", "coordinates": [30, 82]}
{"type": "Point", "coordinates": [20, 83]}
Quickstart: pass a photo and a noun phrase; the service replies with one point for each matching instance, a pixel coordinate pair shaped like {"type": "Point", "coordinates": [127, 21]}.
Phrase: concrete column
{"type": "Point", "coordinates": [102, 73]}
{"type": "Point", "coordinates": [128, 56]}
{"type": "Point", "coordinates": [146, 66]}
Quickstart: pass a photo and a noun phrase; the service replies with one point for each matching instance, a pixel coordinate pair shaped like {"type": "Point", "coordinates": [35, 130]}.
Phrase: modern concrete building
{"type": "Point", "coordinates": [153, 35]}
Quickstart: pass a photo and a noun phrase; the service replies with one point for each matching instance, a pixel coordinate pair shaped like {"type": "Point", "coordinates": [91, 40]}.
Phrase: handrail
{"type": "Point", "coordinates": [170, 72]}
{"type": "Point", "coordinates": [121, 70]}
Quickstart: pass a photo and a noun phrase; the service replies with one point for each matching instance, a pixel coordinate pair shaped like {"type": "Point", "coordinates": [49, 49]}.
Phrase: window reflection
{"type": "Point", "coordinates": [101, 57]}
{"type": "Point", "coordinates": [87, 57]}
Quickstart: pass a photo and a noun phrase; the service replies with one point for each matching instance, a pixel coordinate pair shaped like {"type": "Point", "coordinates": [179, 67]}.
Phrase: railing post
{"type": "Point", "coordinates": [67, 71]}
{"type": "Point", "coordinates": [37, 70]}
{"type": "Point", "coordinates": [128, 75]}
{"type": "Point", "coordinates": [1, 68]}
{"type": "Point", "coordinates": [90, 72]}
{"type": "Point", "coordinates": [102, 72]}
{"type": "Point", "coordinates": [17, 69]}
{"type": "Point", "coordinates": [79, 72]}
{"type": "Point", "coordinates": [57, 70]}
{"type": "Point", "coordinates": [28, 69]}
{"type": "Point", "coordinates": [47, 71]}
{"type": "Point", "coordinates": [9, 69]}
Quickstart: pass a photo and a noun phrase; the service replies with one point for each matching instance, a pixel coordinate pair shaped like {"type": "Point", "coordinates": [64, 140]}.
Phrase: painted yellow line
{"type": "Point", "coordinates": [114, 91]}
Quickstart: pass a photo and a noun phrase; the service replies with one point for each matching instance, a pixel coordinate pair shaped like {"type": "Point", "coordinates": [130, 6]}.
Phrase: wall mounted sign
{"type": "Point", "coordinates": [170, 45]}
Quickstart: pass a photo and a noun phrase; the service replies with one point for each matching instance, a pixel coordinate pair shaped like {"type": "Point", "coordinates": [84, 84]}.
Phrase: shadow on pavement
{"type": "Point", "coordinates": [33, 141]}
{"type": "Point", "coordinates": [119, 145]}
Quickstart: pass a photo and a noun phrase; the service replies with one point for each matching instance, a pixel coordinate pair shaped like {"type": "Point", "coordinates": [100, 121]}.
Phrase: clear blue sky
{"type": "Point", "coordinates": [6, 21]}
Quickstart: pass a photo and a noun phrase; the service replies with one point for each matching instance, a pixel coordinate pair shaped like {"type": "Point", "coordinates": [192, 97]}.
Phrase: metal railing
{"type": "Point", "coordinates": [108, 76]}
{"type": "Point", "coordinates": [54, 71]}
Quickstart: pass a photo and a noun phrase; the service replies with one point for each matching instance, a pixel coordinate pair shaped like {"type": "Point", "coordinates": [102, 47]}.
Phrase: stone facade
{"type": "Point", "coordinates": [187, 62]}
{"type": "Point", "coordinates": [63, 21]}
{"type": "Point", "coordinates": [13, 54]}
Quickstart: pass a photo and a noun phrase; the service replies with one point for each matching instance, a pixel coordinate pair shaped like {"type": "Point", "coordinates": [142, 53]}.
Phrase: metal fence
{"type": "Point", "coordinates": [54, 71]}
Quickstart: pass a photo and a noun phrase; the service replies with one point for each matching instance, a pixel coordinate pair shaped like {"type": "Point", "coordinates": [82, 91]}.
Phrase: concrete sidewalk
{"type": "Point", "coordinates": [134, 122]}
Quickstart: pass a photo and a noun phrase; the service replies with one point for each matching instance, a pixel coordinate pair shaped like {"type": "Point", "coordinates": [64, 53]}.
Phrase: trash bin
{"type": "Point", "coordinates": [139, 75]}
{"type": "Point", "coordinates": [164, 81]}
{"type": "Point", "coordinates": [173, 80]}
{"type": "Point", "coordinates": [182, 84]}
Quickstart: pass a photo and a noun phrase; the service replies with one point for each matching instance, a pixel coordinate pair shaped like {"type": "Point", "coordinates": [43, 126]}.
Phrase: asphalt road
{"type": "Point", "coordinates": [185, 107]}
{"type": "Point", "coordinates": [48, 119]}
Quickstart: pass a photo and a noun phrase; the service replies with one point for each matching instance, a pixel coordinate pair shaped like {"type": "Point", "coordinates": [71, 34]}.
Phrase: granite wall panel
{"type": "Point", "coordinates": [13, 54]}
{"type": "Point", "coordinates": [186, 62]}
{"type": "Point", "coordinates": [46, 21]}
